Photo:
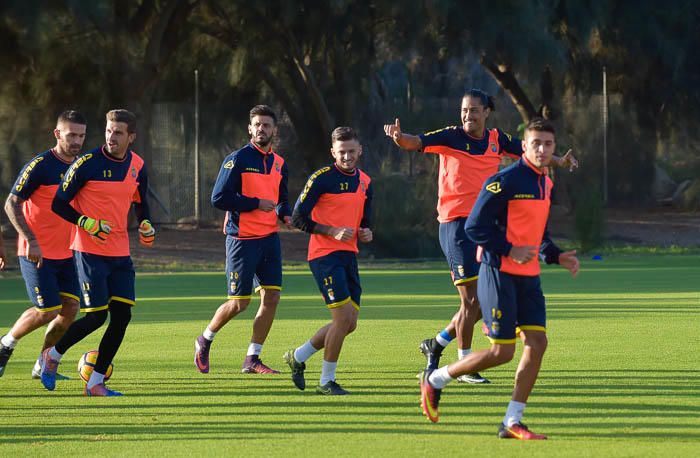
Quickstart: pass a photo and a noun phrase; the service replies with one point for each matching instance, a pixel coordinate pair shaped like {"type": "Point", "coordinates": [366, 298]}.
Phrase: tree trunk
{"type": "Point", "coordinates": [506, 79]}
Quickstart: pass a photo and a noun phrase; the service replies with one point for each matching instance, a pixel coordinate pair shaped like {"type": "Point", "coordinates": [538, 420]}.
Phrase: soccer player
{"type": "Point", "coordinates": [469, 154]}
{"type": "Point", "coordinates": [334, 208]}
{"type": "Point", "coordinates": [96, 194]}
{"type": "Point", "coordinates": [252, 189]}
{"type": "Point", "coordinates": [508, 222]}
{"type": "Point", "coordinates": [43, 243]}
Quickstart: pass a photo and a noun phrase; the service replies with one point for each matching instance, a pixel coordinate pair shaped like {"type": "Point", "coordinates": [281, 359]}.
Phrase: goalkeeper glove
{"type": "Point", "coordinates": [147, 234]}
{"type": "Point", "coordinates": [97, 228]}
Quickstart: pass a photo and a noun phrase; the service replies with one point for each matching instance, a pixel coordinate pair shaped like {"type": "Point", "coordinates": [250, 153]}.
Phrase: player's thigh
{"type": "Point", "coordinates": [242, 257]}
{"type": "Point", "coordinates": [459, 251]}
{"type": "Point", "coordinates": [498, 301]}
{"type": "Point", "coordinates": [331, 278]}
{"type": "Point", "coordinates": [42, 284]}
{"type": "Point", "coordinates": [268, 272]}
{"type": "Point", "coordinates": [68, 283]}
{"type": "Point", "coordinates": [122, 280]}
{"type": "Point", "coordinates": [93, 271]}
{"type": "Point", "coordinates": [532, 313]}
{"type": "Point", "coordinates": [352, 273]}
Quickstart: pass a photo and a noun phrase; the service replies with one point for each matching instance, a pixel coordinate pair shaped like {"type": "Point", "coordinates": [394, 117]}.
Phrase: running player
{"type": "Point", "coordinates": [334, 208]}
{"type": "Point", "coordinates": [508, 222]}
{"type": "Point", "coordinates": [43, 243]}
{"type": "Point", "coordinates": [96, 195]}
{"type": "Point", "coordinates": [469, 154]}
{"type": "Point", "coordinates": [252, 189]}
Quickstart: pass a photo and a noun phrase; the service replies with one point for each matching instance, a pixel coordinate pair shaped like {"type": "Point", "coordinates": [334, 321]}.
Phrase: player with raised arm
{"type": "Point", "coordinates": [252, 189]}
{"type": "Point", "coordinates": [43, 242]}
{"type": "Point", "coordinates": [469, 154]}
{"type": "Point", "coordinates": [96, 195]}
{"type": "Point", "coordinates": [508, 222]}
{"type": "Point", "coordinates": [334, 208]}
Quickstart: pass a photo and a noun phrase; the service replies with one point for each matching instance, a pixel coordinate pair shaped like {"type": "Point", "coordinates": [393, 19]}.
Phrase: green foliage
{"type": "Point", "coordinates": [404, 215]}
{"type": "Point", "coordinates": [589, 221]}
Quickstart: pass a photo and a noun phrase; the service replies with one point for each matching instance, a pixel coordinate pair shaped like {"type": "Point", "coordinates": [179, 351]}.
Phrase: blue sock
{"type": "Point", "coordinates": [444, 338]}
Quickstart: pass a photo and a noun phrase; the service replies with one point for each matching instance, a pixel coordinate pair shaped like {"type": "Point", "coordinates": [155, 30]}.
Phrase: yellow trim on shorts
{"type": "Point", "coordinates": [94, 309]}
{"type": "Point", "coordinates": [48, 309]}
{"type": "Point", "coordinates": [270, 287]}
{"type": "Point", "coordinates": [355, 304]}
{"type": "Point", "coordinates": [122, 299]}
{"type": "Point", "coordinates": [335, 305]}
{"type": "Point", "coordinates": [532, 328]}
{"type": "Point", "coordinates": [240, 297]}
{"type": "Point", "coordinates": [503, 341]}
{"type": "Point", "coordinates": [466, 280]}
{"type": "Point", "coordinates": [72, 296]}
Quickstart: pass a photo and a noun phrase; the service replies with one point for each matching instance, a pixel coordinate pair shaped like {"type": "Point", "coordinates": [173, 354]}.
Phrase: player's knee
{"type": "Point", "coordinates": [45, 317]}
{"type": "Point", "coordinates": [502, 354]}
{"type": "Point", "coordinates": [537, 341]}
{"type": "Point", "coordinates": [120, 315]}
{"type": "Point", "coordinates": [270, 297]}
{"type": "Point", "coordinates": [96, 319]}
{"type": "Point", "coordinates": [69, 309]}
{"type": "Point", "coordinates": [352, 326]}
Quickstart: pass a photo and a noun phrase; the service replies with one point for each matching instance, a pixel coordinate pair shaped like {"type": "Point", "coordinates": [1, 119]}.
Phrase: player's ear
{"type": "Point", "coordinates": [132, 137]}
{"type": "Point", "coordinates": [57, 133]}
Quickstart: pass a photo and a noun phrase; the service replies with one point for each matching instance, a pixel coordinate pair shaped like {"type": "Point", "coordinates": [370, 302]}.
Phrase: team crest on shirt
{"type": "Point", "coordinates": [233, 286]}
{"type": "Point", "coordinates": [460, 269]}
{"type": "Point", "coordinates": [331, 296]}
{"type": "Point", "coordinates": [363, 186]}
{"type": "Point", "coordinates": [133, 171]}
{"type": "Point", "coordinates": [495, 326]}
{"type": "Point", "coordinates": [494, 148]}
{"type": "Point", "coordinates": [494, 187]}
{"type": "Point", "coordinates": [277, 167]}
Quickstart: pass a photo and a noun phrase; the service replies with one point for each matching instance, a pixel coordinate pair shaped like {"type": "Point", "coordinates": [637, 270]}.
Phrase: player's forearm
{"type": "Point", "coordinates": [142, 211]}
{"type": "Point", "coordinates": [234, 202]}
{"type": "Point", "coordinates": [65, 210]}
{"type": "Point", "coordinates": [409, 142]}
{"type": "Point", "coordinates": [283, 210]}
{"type": "Point", "coordinates": [302, 222]}
{"type": "Point", "coordinates": [13, 208]}
{"type": "Point", "coordinates": [550, 251]}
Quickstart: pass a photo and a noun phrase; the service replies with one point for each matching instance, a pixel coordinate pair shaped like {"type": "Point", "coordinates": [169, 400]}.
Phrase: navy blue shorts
{"type": "Point", "coordinates": [509, 301]}
{"type": "Point", "coordinates": [45, 286]}
{"type": "Point", "coordinates": [104, 279]}
{"type": "Point", "coordinates": [459, 251]}
{"type": "Point", "coordinates": [253, 262]}
{"type": "Point", "coordinates": [338, 278]}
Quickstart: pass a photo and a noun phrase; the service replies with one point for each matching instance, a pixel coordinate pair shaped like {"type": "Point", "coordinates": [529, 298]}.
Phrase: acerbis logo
{"type": "Point", "coordinates": [494, 187]}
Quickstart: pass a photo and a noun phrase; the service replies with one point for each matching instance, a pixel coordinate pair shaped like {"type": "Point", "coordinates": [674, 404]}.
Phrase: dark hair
{"type": "Point", "coordinates": [71, 116]}
{"type": "Point", "coordinates": [486, 100]}
{"type": "Point", "coordinates": [125, 116]}
{"type": "Point", "coordinates": [263, 110]}
{"type": "Point", "coordinates": [342, 134]}
{"type": "Point", "coordinates": [540, 125]}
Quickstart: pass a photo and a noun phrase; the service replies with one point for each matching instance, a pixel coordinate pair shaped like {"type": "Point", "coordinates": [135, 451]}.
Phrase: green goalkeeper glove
{"type": "Point", "coordinates": [97, 228]}
{"type": "Point", "coordinates": [147, 234]}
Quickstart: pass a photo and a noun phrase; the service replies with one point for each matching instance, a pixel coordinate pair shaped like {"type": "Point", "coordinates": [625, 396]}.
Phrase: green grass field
{"type": "Point", "coordinates": [621, 376]}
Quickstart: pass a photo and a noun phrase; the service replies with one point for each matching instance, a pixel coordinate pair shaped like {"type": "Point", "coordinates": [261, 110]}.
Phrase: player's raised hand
{"type": "Point", "coordinates": [266, 205]}
{"type": "Point", "coordinates": [393, 130]}
{"type": "Point", "coordinates": [569, 261]}
{"type": "Point", "coordinates": [568, 160]}
{"type": "Point", "coordinates": [523, 254]}
{"type": "Point", "coordinates": [364, 235]}
{"type": "Point", "coordinates": [97, 228]}
{"type": "Point", "coordinates": [343, 233]}
{"type": "Point", "coordinates": [147, 233]}
{"type": "Point", "coordinates": [34, 253]}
